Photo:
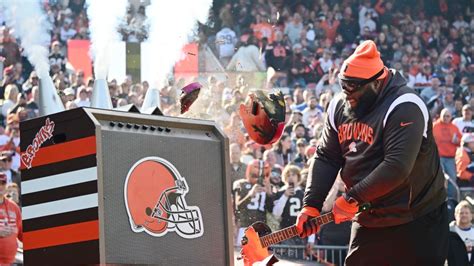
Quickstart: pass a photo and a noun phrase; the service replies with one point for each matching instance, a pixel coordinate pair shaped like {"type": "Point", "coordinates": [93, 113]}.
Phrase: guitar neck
{"type": "Point", "coordinates": [289, 232]}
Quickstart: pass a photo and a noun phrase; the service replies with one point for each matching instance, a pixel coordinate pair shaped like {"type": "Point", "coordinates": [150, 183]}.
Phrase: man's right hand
{"type": "Point", "coordinates": [303, 224]}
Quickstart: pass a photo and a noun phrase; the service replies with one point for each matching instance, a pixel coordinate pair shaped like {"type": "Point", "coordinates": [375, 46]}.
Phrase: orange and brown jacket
{"type": "Point", "coordinates": [462, 161]}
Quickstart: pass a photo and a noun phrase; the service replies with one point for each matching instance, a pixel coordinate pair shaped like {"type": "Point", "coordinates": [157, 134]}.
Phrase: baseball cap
{"type": "Point", "coordinates": [69, 91]}
{"type": "Point", "coordinates": [276, 171]}
{"type": "Point", "coordinates": [364, 63]}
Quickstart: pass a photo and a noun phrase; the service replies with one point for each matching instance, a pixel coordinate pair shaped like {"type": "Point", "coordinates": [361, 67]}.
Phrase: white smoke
{"type": "Point", "coordinates": [104, 18]}
{"type": "Point", "coordinates": [171, 21]}
{"type": "Point", "coordinates": [31, 25]}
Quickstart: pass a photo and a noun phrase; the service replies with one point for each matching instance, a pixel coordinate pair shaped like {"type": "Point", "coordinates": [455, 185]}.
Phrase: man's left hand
{"type": "Point", "coordinates": [344, 209]}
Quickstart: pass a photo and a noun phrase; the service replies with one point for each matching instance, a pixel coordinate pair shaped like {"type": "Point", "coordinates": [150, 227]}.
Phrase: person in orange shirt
{"type": "Point", "coordinates": [448, 138]}
{"type": "Point", "coordinates": [10, 225]}
{"type": "Point", "coordinates": [330, 26]}
{"type": "Point", "coordinates": [465, 160]}
{"type": "Point", "coordinates": [262, 29]}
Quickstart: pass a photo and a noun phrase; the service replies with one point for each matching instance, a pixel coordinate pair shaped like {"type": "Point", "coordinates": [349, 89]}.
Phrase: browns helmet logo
{"type": "Point", "coordinates": [155, 200]}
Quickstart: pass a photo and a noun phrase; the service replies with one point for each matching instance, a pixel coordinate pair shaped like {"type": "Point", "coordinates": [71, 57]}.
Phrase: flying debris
{"type": "Point", "coordinates": [189, 94]}
{"type": "Point", "coordinates": [264, 116]}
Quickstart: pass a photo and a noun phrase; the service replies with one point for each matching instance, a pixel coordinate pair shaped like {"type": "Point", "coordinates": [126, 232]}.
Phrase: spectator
{"type": "Point", "coordinates": [312, 111]}
{"type": "Point", "coordinates": [464, 123]}
{"type": "Point", "coordinates": [262, 29]}
{"type": "Point", "coordinates": [448, 138]}
{"type": "Point", "coordinates": [276, 179]}
{"type": "Point", "coordinates": [11, 94]}
{"type": "Point", "coordinates": [225, 44]}
{"type": "Point", "coordinates": [234, 129]}
{"type": "Point", "coordinates": [67, 32]}
{"type": "Point", "coordinates": [299, 67]}
{"type": "Point", "coordinates": [10, 227]}
{"type": "Point", "coordinates": [330, 26]}
{"type": "Point", "coordinates": [82, 99]}
{"type": "Point", "coordinates": [247, 58]}
{"type": "Point", "coordinates": [300, 158]}
{"type": "Point", "coordinates": [10, 49]}
{"type": "Point", "coordinates": [283, 150]}
{"type": "Point", "coordinates": [269, 157]}
{"type": "Point", "coordinates": [462, 225]}
{"type": "Point", "coordinates": [277, 56]}
{"type": "Point", "coordinates": [237, 170]}
{"type": "Point", "coordinates": [252, 200]}
{"type": "Point", "coordinates": [13, 193]}
{"type": "Point", "coordinates": [56, 57]}
{"type": "Point", "coordinates": [6, 158]}
{"type": "Point", "coordinates": [294, 28]}
{"type": "Point", "coordinates": [32, 81]}
{"type": "Point", "coordinates": [70, 94]}
{"type": "Point", "coordinates": [348, 28]}
{"type": "Point", "coordinates": [434, 91]}
{"type": "Point", "coordinates": [289, 200]}
{"type": "Point", "coordinates": [464, 161]}
{"type": "Point", "coordinates": [78, 80]}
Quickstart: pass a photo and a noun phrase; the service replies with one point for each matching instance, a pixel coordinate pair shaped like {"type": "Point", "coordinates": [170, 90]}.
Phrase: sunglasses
{"type": "Point", "coordinates": [6, 160]}
{"type": "Point", "coordinates": [354, 85]}
{"type": "Point", "coordinates": [3, 182]}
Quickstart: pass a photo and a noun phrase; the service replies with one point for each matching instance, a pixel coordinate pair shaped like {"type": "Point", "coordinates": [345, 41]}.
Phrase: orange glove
{"type": "Point", "coordinates": [303, 226]}
{"type": "Point", "coordinates": [344, 210]}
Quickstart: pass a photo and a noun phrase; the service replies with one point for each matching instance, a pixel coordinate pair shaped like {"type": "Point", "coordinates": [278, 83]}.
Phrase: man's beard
{"type": "Point", "coordinates": [364, 104]}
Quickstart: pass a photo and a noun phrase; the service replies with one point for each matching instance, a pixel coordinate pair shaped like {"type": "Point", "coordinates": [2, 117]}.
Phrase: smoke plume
{"type": "Point", "coordinates": [170, 24]}
{"type": "Point", "coordinates": [104, 18]}
{"type": "Point", "coordinates": [31, 26]}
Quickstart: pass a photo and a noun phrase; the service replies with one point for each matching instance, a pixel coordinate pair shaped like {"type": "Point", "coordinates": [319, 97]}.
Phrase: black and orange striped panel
{"type": "Point", "coordinates": [59, 189]}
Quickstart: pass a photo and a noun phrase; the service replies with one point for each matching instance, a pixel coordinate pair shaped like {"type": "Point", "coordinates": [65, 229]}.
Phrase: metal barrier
{"type": "Point", "coordinates": [467, 192]}
{"type": "Point", "coordinates": [328, 255]}
{"type": "Point", "coordinates": [456, 187]}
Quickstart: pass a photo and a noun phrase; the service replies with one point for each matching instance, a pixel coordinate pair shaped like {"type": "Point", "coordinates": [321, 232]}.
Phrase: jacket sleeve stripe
{"type": "Point", "coordinates": [331, 111]}
{"type": "Point", "coordinates": [409, 98]}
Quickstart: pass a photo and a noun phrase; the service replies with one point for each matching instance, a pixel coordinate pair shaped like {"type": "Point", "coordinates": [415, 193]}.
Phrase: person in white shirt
{"type": "Point", "coordinates": [11, 94]}
{"type": "Point", "coordinates": [247, 58]}
{"type": "Point", "coordinates": [462, 224]}
{"type": "Point", "coordinates": [81, 99]}
{"type": "Point", "coordinates": [464, 123]}
{"type": "Point", "coordinates": [225, 44]}
{"type": "Point", "coordinates": [326, 62]}
{"type": "Point", "coordinates": [312, 111]}
{"type": "Point", "coordinates": [67, 32]}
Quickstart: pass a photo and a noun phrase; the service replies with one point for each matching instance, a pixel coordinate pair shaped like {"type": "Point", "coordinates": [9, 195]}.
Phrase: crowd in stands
{"type": "Point", "coordinates": [304, 42]}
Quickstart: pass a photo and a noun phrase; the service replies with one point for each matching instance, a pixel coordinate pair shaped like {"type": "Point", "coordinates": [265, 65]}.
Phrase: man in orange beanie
{"type": "Point", "coordinates": [378, 136]}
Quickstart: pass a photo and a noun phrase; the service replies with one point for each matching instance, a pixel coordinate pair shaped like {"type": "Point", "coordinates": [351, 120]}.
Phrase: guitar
{"type": "Point", "coordinates": [258, 237]}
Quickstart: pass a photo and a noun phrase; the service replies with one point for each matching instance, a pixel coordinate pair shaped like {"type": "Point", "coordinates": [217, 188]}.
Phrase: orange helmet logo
{"type": "Point", "coordinates": [155, 200]}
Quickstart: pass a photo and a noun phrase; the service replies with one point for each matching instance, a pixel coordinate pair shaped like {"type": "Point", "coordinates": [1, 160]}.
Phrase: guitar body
{"type": "Point", "coordinates": [252, 250]}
